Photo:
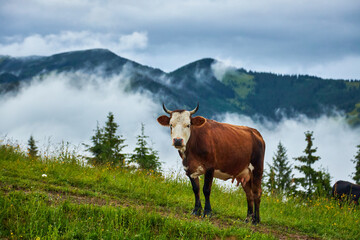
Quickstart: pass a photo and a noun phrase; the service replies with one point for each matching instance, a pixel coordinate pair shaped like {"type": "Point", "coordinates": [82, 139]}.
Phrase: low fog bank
{"type": "Point", "coordinates": [66, 107]}
{"type": "Point", "coordinates": [335, 140]}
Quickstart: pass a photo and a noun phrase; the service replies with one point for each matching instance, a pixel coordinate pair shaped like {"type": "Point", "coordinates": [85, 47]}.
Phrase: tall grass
{"type": "Point", "coordinates": [75, 201]}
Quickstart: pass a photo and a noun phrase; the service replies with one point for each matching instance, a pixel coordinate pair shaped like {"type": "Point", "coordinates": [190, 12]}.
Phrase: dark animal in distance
{"type": "Point", "coordinates": [218, 150]}
{"type": "Point", "coordinates": [346, 191]}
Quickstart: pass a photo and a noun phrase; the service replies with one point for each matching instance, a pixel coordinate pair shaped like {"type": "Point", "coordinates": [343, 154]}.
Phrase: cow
{"type": "Point", "coordinates": [218, 150]}
{"type": "Point", "coordinates": [346, 191]}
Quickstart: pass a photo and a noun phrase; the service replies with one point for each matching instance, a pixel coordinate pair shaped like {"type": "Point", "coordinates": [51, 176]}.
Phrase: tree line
{"type": "Point", "coordinates": [107, 148]}
{"type": "Point", "coordinates": [280, 178]}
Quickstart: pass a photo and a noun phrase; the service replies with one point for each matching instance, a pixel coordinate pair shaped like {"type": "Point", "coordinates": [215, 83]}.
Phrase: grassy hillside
{"type": "Point", "coordinates": [79, 202]}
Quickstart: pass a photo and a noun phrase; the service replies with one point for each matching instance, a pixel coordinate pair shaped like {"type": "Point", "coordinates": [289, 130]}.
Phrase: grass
{"type": "Point", "coordinates": [242, 83]}
{"type": "Point", "coordinates": [79, 202]}
{"type": "Point", "coordinates": [354, 115]}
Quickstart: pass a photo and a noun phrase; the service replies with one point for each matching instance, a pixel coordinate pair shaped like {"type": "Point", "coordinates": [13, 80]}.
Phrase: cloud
{"type": "Point", "coordinates": [135, 40]}
{"type": "Point", "coordinates": [285, 36]}
{"type": "Point", "coordinates": [67, 106]}
{"type": "Point", "coordinates": [335, 140]}
{"type": "Point", "coordinates": [219, 69]}
{"type": "Point", "coordinates": [68, 40]}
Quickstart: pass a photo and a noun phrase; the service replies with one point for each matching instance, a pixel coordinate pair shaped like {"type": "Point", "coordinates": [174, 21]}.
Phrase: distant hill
{"type": "Point", "coordinates": [251, 93]}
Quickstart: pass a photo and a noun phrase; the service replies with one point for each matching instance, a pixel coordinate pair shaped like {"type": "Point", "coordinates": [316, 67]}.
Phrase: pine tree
{"type": "Point", "coordinates": [280, 174]}
{"type": "Point", "coordinates": [356, 161]}
{"type": "Point", "coordinates": [322, 183]}
{"type": "Point", "coordinates": [310, 175]}
{"type": "Point", "coordinates": [270, 183]}
{"type": "Point", "coordinates": [32, 149]}
{"type": "Point", "coordinates": [96, 149]}
{"type": "Point", "coordinates": [113, 144]}
{"type": "Point", "coordinates": [146, 157]}
{"type": "Point", "coordinates": [106, 145]}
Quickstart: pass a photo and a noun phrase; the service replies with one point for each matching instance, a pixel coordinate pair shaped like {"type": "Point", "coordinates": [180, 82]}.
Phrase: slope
{"type": "Point", "coordinates": [76, 201]}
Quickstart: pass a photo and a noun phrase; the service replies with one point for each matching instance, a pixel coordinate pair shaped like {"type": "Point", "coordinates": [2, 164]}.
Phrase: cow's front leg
{"type": "Point", "coordinates": [196, 188]}
{"type": "Point", "coordinates": [209, 175]}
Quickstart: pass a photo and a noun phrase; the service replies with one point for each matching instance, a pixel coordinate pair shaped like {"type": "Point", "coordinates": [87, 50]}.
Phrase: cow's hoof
{"type": "Point", "coordinates": [207, 213]}
{"type": "Point", "coordinates": [255, 221]}
{"type": "Point", "coordinates": [196, 212]}
{"type": "Point", "coordinates": [249, 218]}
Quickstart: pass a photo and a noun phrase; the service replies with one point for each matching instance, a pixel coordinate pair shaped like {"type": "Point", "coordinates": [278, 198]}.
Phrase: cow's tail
{"type": "Point", "coordinates": [257, 158]}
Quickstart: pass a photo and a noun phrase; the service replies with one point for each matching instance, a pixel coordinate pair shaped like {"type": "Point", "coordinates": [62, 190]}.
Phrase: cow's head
{"type": "Point", "coordinates": [180, 123]}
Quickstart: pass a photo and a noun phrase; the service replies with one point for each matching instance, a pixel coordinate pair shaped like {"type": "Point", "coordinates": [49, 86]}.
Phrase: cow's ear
{"type": "Point", "coordinates": [198, 121]}
{"type": "Point", "coordinates": [164, 120]}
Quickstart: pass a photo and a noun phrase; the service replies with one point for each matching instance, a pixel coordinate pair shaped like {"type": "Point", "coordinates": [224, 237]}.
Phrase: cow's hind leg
{"type": "Point", "coordinates": [209, 175]}
{"type": "Point", "coordinates": [256, 189]}
{"type": "Point", "coordinates": [250, 201]}
{"type": "Point", "coordinates": [196, 188]}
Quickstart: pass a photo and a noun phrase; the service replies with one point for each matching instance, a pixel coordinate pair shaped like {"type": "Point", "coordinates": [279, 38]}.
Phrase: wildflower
{"type": "Point", "coordinates": [44, 175]}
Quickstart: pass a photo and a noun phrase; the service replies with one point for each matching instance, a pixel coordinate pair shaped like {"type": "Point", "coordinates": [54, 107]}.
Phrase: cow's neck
{"type": "Point", "coordinates": [182, 153]}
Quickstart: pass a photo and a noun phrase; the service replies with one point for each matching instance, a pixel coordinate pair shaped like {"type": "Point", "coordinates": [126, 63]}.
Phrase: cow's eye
{"type": "Point", "coordinates": [170, 125]}
{"type": "Point", "coordinates": [188, 126]}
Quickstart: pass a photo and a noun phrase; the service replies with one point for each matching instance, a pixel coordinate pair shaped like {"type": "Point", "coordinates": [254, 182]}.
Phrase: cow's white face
{"type": "Point", "coordinates": [180, 123]}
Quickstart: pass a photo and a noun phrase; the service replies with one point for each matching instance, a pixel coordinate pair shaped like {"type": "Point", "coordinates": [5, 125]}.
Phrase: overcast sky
{"type": "Point", "coordinates": [315, 37]}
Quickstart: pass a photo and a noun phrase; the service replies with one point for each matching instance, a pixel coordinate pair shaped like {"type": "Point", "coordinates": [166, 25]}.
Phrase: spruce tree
{"type": "Point", "coordinates": [270, 183]}
{"type": "Point", "coordinates": [32, 149]}
{"type": "Point", "coordinates": [145, 156]}
{"type": "Point", "coordinates": [322, 182]}
{"type": "Point", "coordinates": [281, 171]}
{"type": "Point", "coordinates": [113, 144]}
{"type": "Point", "coordinates": [310, 175]}
{"type": "Point", "coordinates": [106, 145]}
{"type": "Point", "coordinates": [356, 161]}
{"type": "Point", "coordinates": [97, 146]}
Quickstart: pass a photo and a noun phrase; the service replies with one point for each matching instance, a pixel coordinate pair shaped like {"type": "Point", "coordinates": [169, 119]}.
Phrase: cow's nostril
{"type": "Point", "coordinates": [177, 142]}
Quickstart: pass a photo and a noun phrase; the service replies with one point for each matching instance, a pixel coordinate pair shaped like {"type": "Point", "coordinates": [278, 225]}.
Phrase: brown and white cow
{"type": "Point", "coordinates": [218, 150]}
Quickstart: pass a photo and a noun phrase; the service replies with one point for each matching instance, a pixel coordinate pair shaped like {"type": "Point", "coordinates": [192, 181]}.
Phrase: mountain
{"type": "Point", "coordinates": [265, 95]}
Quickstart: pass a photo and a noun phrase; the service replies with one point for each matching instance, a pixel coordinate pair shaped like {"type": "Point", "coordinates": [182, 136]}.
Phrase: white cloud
{"type": "Point", "coordinates": [132, 41]}
{"type": "Point", "coordinates": [335, 140]}
{"type": "Point", "coordinates": [68, 41]}
{"type": "Point", "coordinates": [57, 108]}
{"type": "Point", "coordinates": [219, 69]}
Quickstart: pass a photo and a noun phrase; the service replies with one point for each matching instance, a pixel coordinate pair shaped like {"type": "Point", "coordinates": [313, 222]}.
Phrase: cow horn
{"type": "Point", "coordinates": [166, 110]}
{"type": "Point", "coordinates": [195, 110]}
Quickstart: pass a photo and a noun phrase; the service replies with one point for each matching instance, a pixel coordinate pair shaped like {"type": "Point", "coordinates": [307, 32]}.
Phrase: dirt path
{"type": "Point", "coordinates": [280, 232]}
{"type": "Point", "coordinates": [57, 197]}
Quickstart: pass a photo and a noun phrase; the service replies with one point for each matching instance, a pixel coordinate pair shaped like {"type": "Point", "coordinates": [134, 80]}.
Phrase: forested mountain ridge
{"type": "Point", "coordinates": [234, 90]}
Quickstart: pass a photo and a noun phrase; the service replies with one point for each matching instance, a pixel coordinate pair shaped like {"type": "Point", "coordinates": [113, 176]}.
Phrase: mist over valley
{"type": "Point", "coordinates": [62, 98]}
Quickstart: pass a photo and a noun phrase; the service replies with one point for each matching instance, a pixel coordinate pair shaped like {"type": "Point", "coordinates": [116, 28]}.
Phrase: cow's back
{"type": "Point", "coordinates": [229, 148]}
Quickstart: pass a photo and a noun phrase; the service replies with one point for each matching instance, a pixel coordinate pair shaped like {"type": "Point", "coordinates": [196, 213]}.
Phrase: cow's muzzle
{"type": "Point", "coordinates": [178, 142]}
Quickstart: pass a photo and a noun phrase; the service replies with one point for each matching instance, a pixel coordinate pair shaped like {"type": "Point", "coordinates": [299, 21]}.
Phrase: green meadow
{"type": "Point", "coordinates": [61, 198]}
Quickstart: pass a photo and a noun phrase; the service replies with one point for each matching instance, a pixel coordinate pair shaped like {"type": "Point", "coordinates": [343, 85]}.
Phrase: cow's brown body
{"type": "Point", "coordinates": [224, 147]}
{"type": "Point", "coordinates": [227, 150]}
{"type": "Point", "coordinates": [222, 151]}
